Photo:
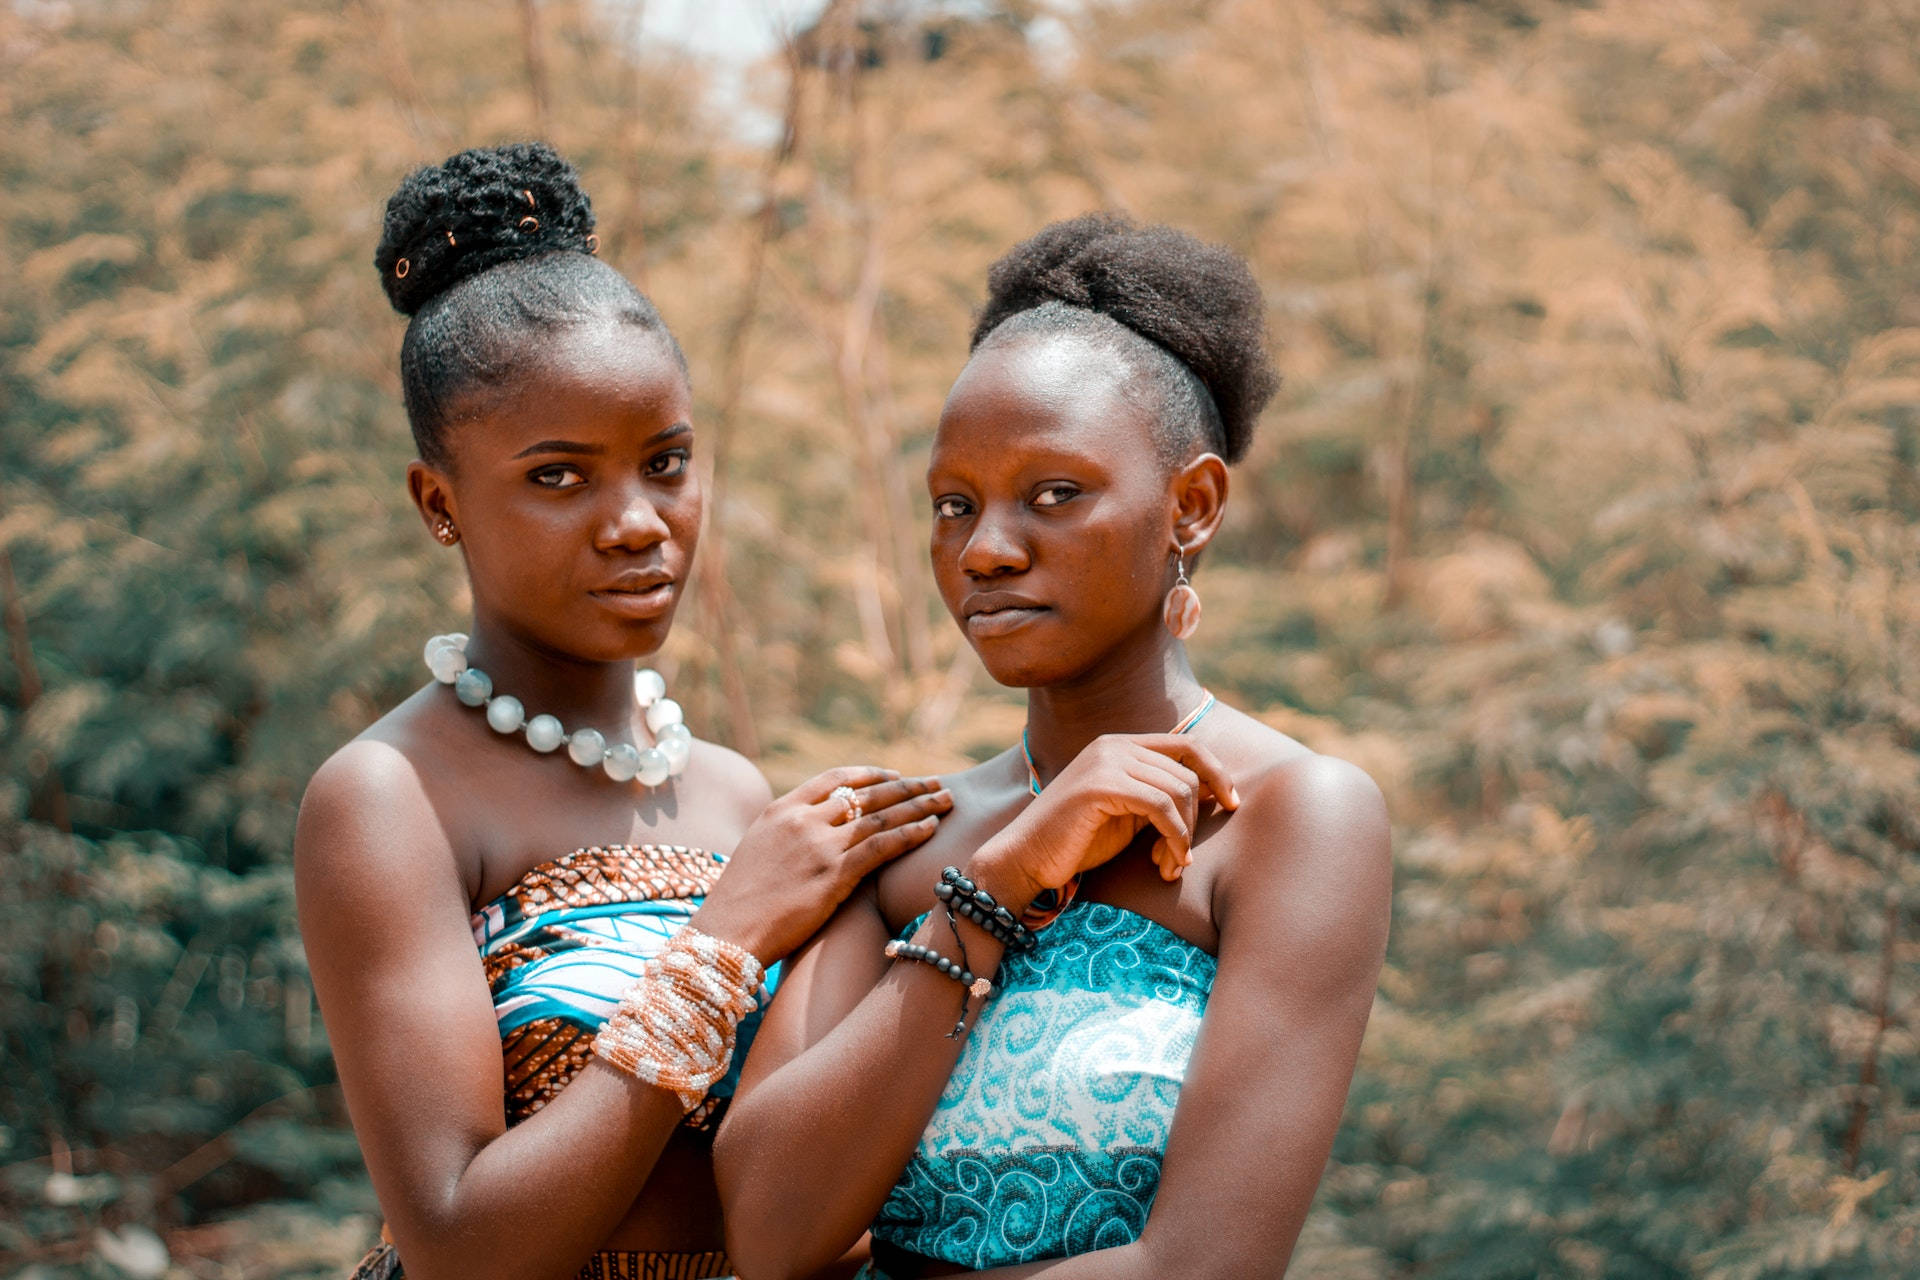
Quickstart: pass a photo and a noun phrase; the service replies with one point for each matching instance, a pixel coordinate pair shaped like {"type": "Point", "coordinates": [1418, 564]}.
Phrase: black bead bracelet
{"type": "Point", "coordinates": [970, 985]}
{"type": "Point", "coordinates": [966, 899]}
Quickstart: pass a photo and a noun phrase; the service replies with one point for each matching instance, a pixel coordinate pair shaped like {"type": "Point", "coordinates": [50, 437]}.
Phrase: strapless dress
{"type": "Point", "coordinates": [566, 941]}
{"type": "Point", "coordinates": [1048, 1138]}
{"type": "Point", "coordinates": [559, 949]}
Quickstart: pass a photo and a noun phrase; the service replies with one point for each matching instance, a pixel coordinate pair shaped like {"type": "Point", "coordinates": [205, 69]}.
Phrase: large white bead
{"type": "Point", "coordinates": [677, 748]}
{"type": "Point", "coordinates": [473, 687]}
{"type": "Point", "coordinates": [587, 747]}
{"type": "Point", "coordinates": [661, 714]}
{"type": "Point", "coordinates": [544, 733]}
{"type": "Point", "coordinates": [654, 767]}
{"type": "Point", "coordinates": [621, 762]}
{"type": "Point", "coordinates": [649, 686]}
{"type": "Point", "coordinates": [445, 661]}
{"type": "Point", "coordinates": [505, 713]}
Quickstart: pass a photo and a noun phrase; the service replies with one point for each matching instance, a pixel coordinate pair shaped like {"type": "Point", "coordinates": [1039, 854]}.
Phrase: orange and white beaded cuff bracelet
{"type": "Point", "coordinates": [674, 1027]}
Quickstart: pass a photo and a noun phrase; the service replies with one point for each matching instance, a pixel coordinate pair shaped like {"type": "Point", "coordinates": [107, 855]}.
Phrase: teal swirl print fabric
{"type": "Point", "coordinates": [1047, 1140]}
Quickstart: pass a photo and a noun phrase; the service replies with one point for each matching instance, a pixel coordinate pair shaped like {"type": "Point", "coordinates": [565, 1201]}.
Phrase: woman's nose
{"type": "Point", "coordinates": [633, 523]}
{"type": "Point", "coordinates": [993, 548]}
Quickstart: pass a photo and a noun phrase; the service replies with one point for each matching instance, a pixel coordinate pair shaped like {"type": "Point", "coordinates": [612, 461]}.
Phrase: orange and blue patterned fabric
{"type": "Point", "coordinates": [566, 941]}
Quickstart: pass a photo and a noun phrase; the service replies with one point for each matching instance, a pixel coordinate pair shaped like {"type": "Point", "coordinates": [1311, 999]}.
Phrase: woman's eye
{"type": "Point", "coordinates": [558, 477]}
{"type": "Point", "coordinates": [672, 463]}
{"type": "Point", "coordinates": [950, 508]}
{"type": "Point", "coordinates": [1055, 494]}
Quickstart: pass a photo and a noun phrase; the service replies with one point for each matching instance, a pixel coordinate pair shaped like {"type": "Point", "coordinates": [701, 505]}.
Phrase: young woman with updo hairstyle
{"type": "Point", "coordinates": [537, 982]}
{"type": "Point", "coordinates": [1136, 1065]}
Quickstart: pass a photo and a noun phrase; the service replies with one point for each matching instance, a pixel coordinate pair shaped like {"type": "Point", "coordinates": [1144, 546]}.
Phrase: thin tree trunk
{"type": "Point", "coordinates": [856, 343]}
{"type": "Point", "coordinates": [1403, 499]}
{"type": "Point", "coordinates": [535, 50]}
{"type": "Point", "coordinates": [50, 794]}
{"type": "Point", "coordinates": [716, 595]}
{"type": "Point", "coordinates": [904, 546]}
{"type": "Point", "coordinates": [1870, 1067]}
{"type": "Point", "coordinates": [632, 249]}
{"type": "Point", "coordinates": [398, 69]}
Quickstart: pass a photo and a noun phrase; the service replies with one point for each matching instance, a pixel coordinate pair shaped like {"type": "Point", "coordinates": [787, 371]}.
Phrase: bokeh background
{"type": "Point", "coordinates": [1584, 521]}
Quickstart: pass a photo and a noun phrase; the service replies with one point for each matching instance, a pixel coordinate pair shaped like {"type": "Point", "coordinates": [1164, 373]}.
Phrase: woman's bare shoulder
{"type": "Point", "coordinates": [1311, 842]}
{"type": "Point", "coordinates": [985, 798]}
{"type": "Point", "coordinates": [731, 779]}
{"type": "Point", "coordinates": [369, 811]}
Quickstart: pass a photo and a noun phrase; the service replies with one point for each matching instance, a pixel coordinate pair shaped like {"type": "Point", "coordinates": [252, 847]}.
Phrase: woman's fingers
{"type": "Point", "coordinates": [883, 847]}
{"type": "Point", "coordinates": [1180, 782]}
{"type": "Point", "coordinates": [821, 785]}
{"type": "Point", "coordinates": [1201, 762]}
{"type": "Point", "coordinates": [1152, 800]}
{"type": "Point", "coordinates": [931, 804]}
{"type": "Point", "coordinates": [1167, 861]}
{"type": "Point", "coordinates": [885, 795]}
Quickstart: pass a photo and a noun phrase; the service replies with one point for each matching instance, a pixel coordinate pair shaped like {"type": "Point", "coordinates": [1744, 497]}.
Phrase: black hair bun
{"type": "Point", "coordinates": [1196, 300]}
{"type": "Point", "coordinates": [471, 211]}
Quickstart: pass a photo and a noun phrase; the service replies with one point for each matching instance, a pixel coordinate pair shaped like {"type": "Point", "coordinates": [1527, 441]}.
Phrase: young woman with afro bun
{"type": "Point", "coordinates": [537, 982]}
{"type": "Point", "coordinates": [1103, 1023]}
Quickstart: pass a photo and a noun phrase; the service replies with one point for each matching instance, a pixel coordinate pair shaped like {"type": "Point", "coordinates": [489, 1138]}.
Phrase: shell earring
{"type": "Point", "coordinates": [1182, 610]}
{"type": "Point", "coordinates": [446, 533]}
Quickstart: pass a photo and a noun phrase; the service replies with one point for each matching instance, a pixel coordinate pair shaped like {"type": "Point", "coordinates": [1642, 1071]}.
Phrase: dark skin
{"type": "Point", "coordinates": [574, 501]}
{"type": "Point", "coordinates": [1052, 508]}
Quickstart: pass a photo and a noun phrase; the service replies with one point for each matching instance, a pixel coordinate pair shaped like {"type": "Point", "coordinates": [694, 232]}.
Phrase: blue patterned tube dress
{"type": "Point", "coordinates": [1048, 1138]}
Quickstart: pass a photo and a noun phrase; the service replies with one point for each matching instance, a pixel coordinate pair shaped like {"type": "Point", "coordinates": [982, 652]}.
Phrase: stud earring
{"type": "Point", "coordinates": [447, 534]}
{"type": "Point", "coordinates": [1182, 610]}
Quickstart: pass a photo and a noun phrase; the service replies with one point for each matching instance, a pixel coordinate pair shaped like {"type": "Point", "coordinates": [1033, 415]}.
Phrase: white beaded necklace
{"type": "Point", "coordinates": [666, 758]}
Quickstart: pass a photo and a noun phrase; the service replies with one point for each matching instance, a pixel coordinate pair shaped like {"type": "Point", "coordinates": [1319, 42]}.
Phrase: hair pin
{"type": "Point", "coordinates": [451, 241]}
{"type": "Point", "coordinates": [529, 224]}
{"type": "Point", "coordinates": [400, 269]}
{"type": "Point", "coordinates": [529, 195]}
{"type": "Point", "coordinates": [593, 242]}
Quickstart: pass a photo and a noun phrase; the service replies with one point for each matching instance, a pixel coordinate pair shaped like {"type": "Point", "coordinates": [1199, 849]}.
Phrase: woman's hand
{"type": "Point", "coordinates": [1098, 803]}
{"type": "Point", "coordinates": [807, 850]}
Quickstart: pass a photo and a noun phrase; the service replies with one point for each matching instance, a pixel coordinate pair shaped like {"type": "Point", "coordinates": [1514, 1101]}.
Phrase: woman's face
{"type": "Point", "coordinates": [575, 494]}
{"type": "Point", "coordinates": [1053, 517]}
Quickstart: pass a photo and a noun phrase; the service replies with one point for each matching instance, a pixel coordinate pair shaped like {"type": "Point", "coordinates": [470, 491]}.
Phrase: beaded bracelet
{"type": "Point", "coordinates": [970, 985]}
{"type": "Point", "coordinates": [674, 1028]}
{"type": "Point", "coordinates": [977, 905]}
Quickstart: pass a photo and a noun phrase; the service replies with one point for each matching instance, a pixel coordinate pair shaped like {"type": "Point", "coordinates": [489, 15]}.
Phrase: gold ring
{"type": "Point", "coordinates": [846, 796]}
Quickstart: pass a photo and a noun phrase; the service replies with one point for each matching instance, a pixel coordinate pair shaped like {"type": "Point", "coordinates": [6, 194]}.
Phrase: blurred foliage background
{"type": "Point", "coordinates": [1585, 521]}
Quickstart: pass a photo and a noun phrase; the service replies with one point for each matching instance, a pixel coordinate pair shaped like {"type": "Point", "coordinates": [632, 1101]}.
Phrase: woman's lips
{"type": "Point", "coordinates": [999, 622]}
{"type": "Point", "coordinates": [648, 603]}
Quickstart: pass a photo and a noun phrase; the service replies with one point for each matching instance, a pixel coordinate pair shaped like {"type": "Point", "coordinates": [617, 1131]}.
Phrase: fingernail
{"type": "Point", "coordinates": [1233, 797]}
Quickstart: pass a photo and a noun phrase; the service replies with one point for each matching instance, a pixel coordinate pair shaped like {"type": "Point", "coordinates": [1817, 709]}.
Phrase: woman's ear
{"type": "Point", "coordinates": [1199, 494]}
{"type": "Point", "coordinates": [432, 495]}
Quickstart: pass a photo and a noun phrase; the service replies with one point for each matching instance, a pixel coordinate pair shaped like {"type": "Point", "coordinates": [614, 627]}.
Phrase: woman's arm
{"type": "Point", "coordinates": [845, 1071]}
{"type": "Point", "coordinates": [384, 914]}
{"type": "Point", "coordinates": [1303, 929]}
{"type": "Point", "coordinates": [852, 1058]}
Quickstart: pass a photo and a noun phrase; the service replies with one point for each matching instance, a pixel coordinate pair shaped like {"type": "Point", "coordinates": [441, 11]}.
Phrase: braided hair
{"type": "Point", "coordinates": [1186, 317]}
{"type": "Point", "coordinates": [480, 251]}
